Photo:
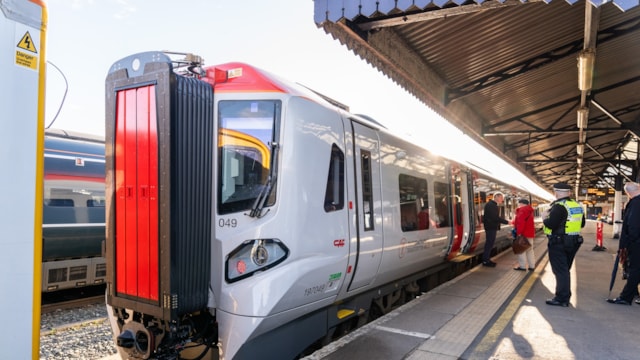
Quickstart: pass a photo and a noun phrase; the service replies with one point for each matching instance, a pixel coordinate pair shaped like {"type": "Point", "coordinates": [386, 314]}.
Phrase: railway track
{"type": "Point", "coordinates": [73, 303]}
{"type": "Point", "coordinates": [67, 299]}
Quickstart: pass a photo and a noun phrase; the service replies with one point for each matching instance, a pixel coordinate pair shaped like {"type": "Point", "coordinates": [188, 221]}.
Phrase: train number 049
{"type": "Point", "coordinates": [228, 223]}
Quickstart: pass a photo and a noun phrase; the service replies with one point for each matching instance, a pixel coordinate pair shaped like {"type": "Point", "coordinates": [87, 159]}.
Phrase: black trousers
{"type": "Point", "coordinates": [562, 251]}
{"type": "Point", "coordinates": [631, 287]}
{"type": "Point", "coordinates": [488, 245]}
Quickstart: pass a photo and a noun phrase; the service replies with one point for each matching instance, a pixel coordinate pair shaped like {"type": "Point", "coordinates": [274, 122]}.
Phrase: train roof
{"type": "Point", "coordinates": [73, 154]}
{"type": "Point", "coordinates": [241, 77]}
{"type": "Point", "coordinates": [73, 135]}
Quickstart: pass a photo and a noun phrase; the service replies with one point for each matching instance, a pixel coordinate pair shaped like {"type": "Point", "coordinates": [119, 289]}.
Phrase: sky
{"type": "Point", "coordinates": [85, 37]}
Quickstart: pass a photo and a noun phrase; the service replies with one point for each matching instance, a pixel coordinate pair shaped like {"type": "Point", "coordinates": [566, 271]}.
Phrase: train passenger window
{"type": "Point", "coordinates": [73, 201]}
{"type": "Point", "coordinates": [247, 138]}
{"type": "Point", "coordinates": [74, 193]}
{"type": "Point", "coordinates": [334, 195]}
{"type": "Point", "coordinates": [367, 189]}
{"type": "Point", "coordinates": [414, 203]}
{"type": "Point", "coordinates": [95, 203]}
{"type": "Point", "coordinates": [59, 202]}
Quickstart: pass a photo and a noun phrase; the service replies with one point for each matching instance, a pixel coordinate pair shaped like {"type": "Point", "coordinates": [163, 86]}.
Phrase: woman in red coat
{"type": "Point", "coordinates": [524, 226]}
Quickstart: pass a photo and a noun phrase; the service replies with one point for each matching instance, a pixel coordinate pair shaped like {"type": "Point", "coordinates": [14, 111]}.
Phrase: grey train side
{"type": "Point", "coordinates": [73, 211]}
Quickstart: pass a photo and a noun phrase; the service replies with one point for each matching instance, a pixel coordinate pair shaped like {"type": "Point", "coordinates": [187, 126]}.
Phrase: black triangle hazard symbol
{"type": "Point", "coordinates": [27, 44]}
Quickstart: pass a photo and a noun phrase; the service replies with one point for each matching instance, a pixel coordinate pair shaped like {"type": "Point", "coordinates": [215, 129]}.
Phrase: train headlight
{"type": "Point", "coordinates": [253, 256]}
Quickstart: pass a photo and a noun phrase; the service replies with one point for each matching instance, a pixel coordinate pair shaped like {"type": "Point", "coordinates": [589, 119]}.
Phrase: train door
{"type": "Point", "coordinates": [467, 208]}
{"type": "Point", "coordinates": [368, 206]}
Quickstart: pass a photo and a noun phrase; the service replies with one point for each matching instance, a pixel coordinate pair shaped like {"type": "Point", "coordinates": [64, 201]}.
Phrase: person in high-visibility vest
{"type": "Point", "coordinates": [629, 245]}
{"type": "Point", "coordinates": [562, 225]}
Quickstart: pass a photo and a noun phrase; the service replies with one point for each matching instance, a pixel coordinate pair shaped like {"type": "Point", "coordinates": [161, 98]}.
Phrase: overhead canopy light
{"type": "Point", "coordinates": [583, 117]}
{"type": "Point", "coordinates": [586, 62]}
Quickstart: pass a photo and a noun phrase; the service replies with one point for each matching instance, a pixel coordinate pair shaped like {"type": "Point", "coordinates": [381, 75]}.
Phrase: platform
{"type": "Point", "coordinates": [500, 313]}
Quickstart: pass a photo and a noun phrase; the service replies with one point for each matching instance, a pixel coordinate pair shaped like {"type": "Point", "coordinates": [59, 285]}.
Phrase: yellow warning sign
{"type": "Point", "coordinates": [26, 60]}
{"type": "Point", "coordinates": [26, 43]}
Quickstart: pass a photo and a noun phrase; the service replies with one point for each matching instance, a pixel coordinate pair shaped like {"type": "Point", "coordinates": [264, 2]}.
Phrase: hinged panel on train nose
{"type": "Point", "coordinates": [159, 147]}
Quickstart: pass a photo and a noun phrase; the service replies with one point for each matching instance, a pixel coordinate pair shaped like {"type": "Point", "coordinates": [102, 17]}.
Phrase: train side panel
{"type": "Point", "coordinates": [418, 229]}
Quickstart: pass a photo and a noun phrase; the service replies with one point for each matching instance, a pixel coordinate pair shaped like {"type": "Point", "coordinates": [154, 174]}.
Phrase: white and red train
{"type": "Point", "coordinates": [252, 215]}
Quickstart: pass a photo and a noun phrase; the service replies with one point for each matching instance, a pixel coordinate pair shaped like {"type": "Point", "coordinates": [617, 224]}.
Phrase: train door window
{"type": "Point", "coordinates": [457, 201]}
{"type": "Point", "coordinates": [334, 195]}
{"type": "Point", "coordinates": [248, 135]}
{"type": "Point", "coordinates": [480, 197]}
{"type": "Point", "coordinates": [414, 203]}
{"type": "Point", "coordinates": [367, 189]}
{"type": "Point", "coordinates": [442, 204]}
{"type": "Point", "coordinates": [505, 209]}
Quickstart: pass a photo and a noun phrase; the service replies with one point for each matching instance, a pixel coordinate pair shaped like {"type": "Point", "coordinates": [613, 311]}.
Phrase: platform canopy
{"type": "Point", "coordinates": [552, 86]}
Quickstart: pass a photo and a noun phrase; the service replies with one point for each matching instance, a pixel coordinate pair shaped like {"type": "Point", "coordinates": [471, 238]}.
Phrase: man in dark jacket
{"type": "Point", "coordinates": [630, 244]}
{"type": "Point", "coordinates": [562, 225]}
{"type": "Point", "coordinates": [491, 220]}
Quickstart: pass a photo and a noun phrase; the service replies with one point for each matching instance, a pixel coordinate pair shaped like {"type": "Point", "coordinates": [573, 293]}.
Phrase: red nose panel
{"type": "Point", "coordinates": [136, 193]}
{"type": "Point", "coordinates": [159, 158]}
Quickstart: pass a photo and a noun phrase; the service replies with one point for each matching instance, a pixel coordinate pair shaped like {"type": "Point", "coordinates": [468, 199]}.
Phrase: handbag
{"type": "Point", "coordinates": [520, 244]}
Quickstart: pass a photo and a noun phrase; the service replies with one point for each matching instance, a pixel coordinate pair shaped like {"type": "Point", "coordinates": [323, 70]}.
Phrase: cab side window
{"type": "Point", "coordinates": [334, 194]}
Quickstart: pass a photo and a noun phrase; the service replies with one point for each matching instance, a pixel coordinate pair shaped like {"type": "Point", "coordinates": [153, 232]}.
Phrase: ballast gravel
{"type": "Point", "coordinates": [80, 333]}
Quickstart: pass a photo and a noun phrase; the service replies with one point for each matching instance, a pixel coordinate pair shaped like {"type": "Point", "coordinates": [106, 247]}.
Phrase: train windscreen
{"type": "Point", "coordinates": [247, 132]}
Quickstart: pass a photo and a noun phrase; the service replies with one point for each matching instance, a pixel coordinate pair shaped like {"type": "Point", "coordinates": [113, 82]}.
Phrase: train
{"type": "Point", "coordinates": [73, 229]}
{"type": "Point", "coordinates": [252, 217]}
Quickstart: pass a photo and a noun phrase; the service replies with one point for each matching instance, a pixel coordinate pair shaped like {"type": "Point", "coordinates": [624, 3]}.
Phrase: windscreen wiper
{"type": "Point", "coordinates": [265, 192]}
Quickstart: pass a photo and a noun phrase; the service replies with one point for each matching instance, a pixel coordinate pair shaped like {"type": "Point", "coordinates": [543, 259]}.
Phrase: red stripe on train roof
{"type": "Point", "coordinates": [243, 77]}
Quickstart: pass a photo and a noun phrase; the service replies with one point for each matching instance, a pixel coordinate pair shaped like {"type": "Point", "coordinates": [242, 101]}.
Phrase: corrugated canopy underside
{"type": "Point", "coordinates": [506, 73]}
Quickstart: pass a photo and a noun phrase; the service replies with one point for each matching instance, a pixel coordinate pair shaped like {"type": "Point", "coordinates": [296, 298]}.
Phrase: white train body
{"type": "Point", "coordinates": [351, 216]}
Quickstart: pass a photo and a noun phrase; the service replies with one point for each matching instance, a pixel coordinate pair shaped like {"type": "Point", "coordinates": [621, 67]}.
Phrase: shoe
{"type": "Point", "coordinates": [531, 269]}
{"type": "Point", "coordinates": [489, 263]}
{"type": "Point", "coordinates": [520, 269]}
{"type": "Point", "coordinates": [618, 300]}
{"type": "Point", "coordinates": [555, 302]}
{"type": "Point", "coordinates": [637, 301]}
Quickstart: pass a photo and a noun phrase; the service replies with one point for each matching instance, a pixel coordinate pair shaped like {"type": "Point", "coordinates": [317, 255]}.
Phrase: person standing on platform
{"type": "Point", "coordinates": [562, 225]}
{"type": "Point", "coordinates": [525, 227]}
{"type": "Point", "coordinates": [491, 220]}
{"type": "Point", "coordinates": [630, 244]}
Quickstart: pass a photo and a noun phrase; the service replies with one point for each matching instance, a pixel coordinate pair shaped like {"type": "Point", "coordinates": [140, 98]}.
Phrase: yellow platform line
{"type": "Point", "coordinates": [493, 334]}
